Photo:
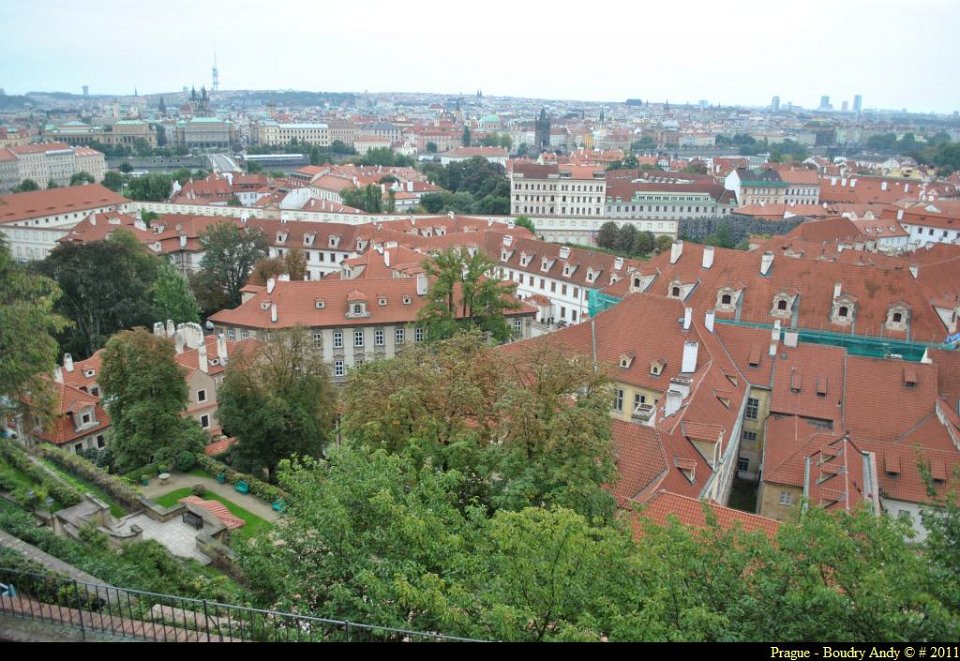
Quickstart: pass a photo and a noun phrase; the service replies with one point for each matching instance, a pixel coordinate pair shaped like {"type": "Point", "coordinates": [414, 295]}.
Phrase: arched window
{"type": "Point", "coordinates": [675, 291]}
{"type": "Point", "coordinates": [843, 311]}
{"type": "Point", "coordinates": [781, 304]}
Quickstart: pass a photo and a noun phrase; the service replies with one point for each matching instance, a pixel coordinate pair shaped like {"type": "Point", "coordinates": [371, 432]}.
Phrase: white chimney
{"type": "Point", "coordinates": [775, 331]}
{"type": "Point", "coordinates": [171, 329]}
{"type": "Point", "coordinates": [906, 188]}
{"type": "Point", "coordinates": [68, 362]}
{"type": "Point", "coordinates": [883, 185]}
{"type": "Point", "coordinates": [57, 374]}
{"type": "Point", "coordinates": [273, 312]}
{"type": "Point", "coordinates": [283, 277]}
{"type": "Point", "coordinates": [202, 358]}
{"type": "Point", "coordinates": [386, 258]}
{"type": "Point", "coordinates": [707, 257]}
{"type": "Point", "coordinates": [183, 241]}
{"type": "Point", "coordinates": [687, 318]}
{"type": "Point", "coordinates": [674, 400]}
{"type": "Point", "coordinates": [222, 348]}
{"type": "Point", "coordinates": [790, 337]}
{"type": "Point", "coordinates": [158, 329]}
{"type": "Point", "coordinates": [676, 249]}
{"type": "Point", "coordinates": [708, 320]}
{"type": "Point", "coordinates": [409, 186]}
{"type": "Point", "coordinates": [914, 270]}
{"type": "Point", "coordinates": [178, 341]}
{"type": "Point", "coordinates": [421, 284]}
{"type": "Point", "coordinates": [899, 214]}
{"type": "Point", "coordinates": [271, 283]}
{"type": "Point", "coordinates": [766, 261]}
{"type": "Point", "coordinates": [837, 288]}
{"type": "Point", "coordinates": [192, 334]}
{"type": "Point", "coordinates": [690, 351]}
{"type": "Point", "coordinates": [773, 348]}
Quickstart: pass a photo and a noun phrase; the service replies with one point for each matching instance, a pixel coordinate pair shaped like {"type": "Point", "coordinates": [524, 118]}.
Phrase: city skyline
{"type": "Point", "coordinates": [713, 55]}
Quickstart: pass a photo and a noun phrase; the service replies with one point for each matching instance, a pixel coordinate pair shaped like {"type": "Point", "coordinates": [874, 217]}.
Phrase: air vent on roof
{"type": "Point", "coordinates": [89, 373]}
{"type": "Point", "coordinates": [320, 303]}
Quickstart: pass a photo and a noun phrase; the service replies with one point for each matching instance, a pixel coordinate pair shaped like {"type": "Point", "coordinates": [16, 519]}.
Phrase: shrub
{"type": "Point", "coordinates": [53, 486]}
{"type": "Point", "coordinates": [198, 490]}
{"type": "Point", "coordinates": [186, 461]}
{"type": "Point", "coordinates": [258, 488]}
{"type": "Point", "coordinates": [115, 486]}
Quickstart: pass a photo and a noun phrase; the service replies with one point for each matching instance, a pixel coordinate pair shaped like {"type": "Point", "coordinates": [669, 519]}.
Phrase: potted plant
{"type": "Point", "coordinates": [145, 479]}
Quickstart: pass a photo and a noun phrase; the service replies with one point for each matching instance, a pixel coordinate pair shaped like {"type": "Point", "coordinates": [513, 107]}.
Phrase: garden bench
{"type": "Point", "coordinates": [242, 487]}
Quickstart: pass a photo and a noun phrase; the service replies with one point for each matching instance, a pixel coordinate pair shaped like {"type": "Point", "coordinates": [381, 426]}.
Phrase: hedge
{"type": "Point", "coordinates": [56, 488]}
{"type": "Point", "coordinates": [150, 469]}
{"type": "Point", "coordinates": [258, 488]}
{"type": "Point", "coordinates": [113, 485]}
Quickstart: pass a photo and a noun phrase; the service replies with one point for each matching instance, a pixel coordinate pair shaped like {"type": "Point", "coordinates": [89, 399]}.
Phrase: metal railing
{"type": "Point", "coordinates": [101, 611]}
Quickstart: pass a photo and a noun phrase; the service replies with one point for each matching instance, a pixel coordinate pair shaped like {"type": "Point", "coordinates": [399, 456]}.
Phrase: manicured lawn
{"type": "Point", "coordinates": [254, 526]}
{"type": "Point", "coordinates": [19, 478]}
{"type": "Point", "coordinates": [84, 487]}
{"type": "Point", "coordinates": [199, 472]}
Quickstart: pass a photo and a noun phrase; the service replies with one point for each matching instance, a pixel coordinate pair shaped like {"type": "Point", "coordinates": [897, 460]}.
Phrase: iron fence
{"type": "Point", "coordinates": [104, 611]}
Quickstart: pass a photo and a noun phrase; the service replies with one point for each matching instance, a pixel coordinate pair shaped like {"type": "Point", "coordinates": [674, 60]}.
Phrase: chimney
{"type": "Point", "coordinates": [410, 186]}
{"type": "Point", "coordinates": [690, 351]}
{"type": "Point", "coordinates": [273, 312]}
{"type": "Point", "coordinates": [202, 358]}
{"type": "Point", "coordinates": [687, 318]}
{"type": "Point", "coordinates": [171, 329]}
{"type": "Point", "coordinates": [283, 277]}
{"type": "Point", "coordinates": [677, 391]}
{"type": "Point", "coordinates": [708, 320]}
{"type": "Point", "coordinates": [222, 348]}
{"type": "Point", "coordinates": [421, 284]}
{"type": "Point", "coordinates": [766, 261]}
{"type": "Point", "coordinates": [775, 331]}
{"type": "Point", "coordinates": [707, 256]}
{"type": "Point", "coordinates": [899, 214]}
{"type": "Point", "coordinates": [676, 249]}
{"type": "Point", "coordinates": [178, 341]}
{"type": "Point", "coordinates": [386, 258]}
{"type": "Point", "coordinates": [68, 362]}
{"type": "Point", "coordinates": [837, 288]}
{"type": "Point", "coordinates": [773, 348]}
{"type": "Point", "coordinates": [158, 329]}
{"type": "Point", "coordinates": [271, 283]}
{"type": "Point", "coordinates": [183, 241]}
{"type": "Point", "coordinates": [914, 270]}
{"type": "Point", "coordinates": [57, 374]}
{"type": "Point", "coordinates": [883, 185]}
{"type": "Point", "coordinates": [790, 337]}
{"type": "Point", "coordinates": [192, 334]}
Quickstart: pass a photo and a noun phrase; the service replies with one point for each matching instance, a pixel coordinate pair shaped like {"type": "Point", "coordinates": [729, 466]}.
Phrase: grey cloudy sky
{"type": "Point", "coordinates": [897, 54]}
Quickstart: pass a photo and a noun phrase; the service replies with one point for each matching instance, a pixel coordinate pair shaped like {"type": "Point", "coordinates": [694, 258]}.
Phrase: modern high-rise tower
{"type": "Point", "coordinates": [857, 102]}
{"type": "Point", "coordinates": [775, 104]}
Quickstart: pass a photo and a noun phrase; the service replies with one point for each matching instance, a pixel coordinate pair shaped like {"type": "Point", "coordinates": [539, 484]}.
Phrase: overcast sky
{"type": "Point", "coordinates": [897, 54]}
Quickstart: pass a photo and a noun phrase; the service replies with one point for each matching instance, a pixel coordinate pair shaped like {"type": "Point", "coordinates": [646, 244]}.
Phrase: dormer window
{"type": "Point", "coordinates": [897, 316]}
{"type": "Point", "coordinates": [334, 241]}
{"type": "Point", "coordinates": [781, 305]}
{"type": "Point", "coordinates": [320, 303]}
{"type": "Point", "coordinates": [281, 237]}
{"type": "Point", "coordinates": [525, 259]}
{"type": "Point", "coordinates": [626, 360]}
{"type": "Point", "coordinates": [407, 300]}
{"type": "Point", "coordinates": [89, 373]}
{"type": "Point", "coordinates": [726, 299]}
{"type": "Point", "coordinates": [591, 275]}
{"type": "Point", "coordinates": [843, 311]}
{"type": "Point", "coordinates": [382, 301]}
{"type": "Point", "coordinates": [656, 367]}
{"type": "Point", "coordinates": [308, 239]}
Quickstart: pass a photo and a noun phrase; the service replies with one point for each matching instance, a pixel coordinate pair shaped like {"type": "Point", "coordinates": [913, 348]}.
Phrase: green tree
{"type": "Point", "coordinates": [52, 184]}
{"type": "Point", "coordinates": [340, 147]}
{"type": "Point", "coordinates": [626, 235]}
{"type": "Point", "coordinates": [145, 393]}
{"type": "Point", "coordinates": [234, 201]}
{"type": "Point", "coordinates": [172, 298]}
{"type": "Point", "coordinates": [28, 349]}
{"type": "Point", "coordinates": [150, 187]}
{"type": "Point", "coordinates": [229, 253]}
{"type": "Point", "coordinates": [644, 243]}
{"type": "Point", "coordinates": [663, 243]}
{"type": "Point", "coordinates": [645, 143]}
{"type": "Point", "coordinates": [466, 138]}
{"type": "Point", "coordinates": [106, 287]}
{"type": "Point", "coordinates": [369, 198]}
{"type": "Point", "coordinates": [252, 167]}
{"type": "Point", "coordinates": [113, 180]}
{"type": "Point", "coordinates": [293, 263]}
{"type": "Point", "coordinates": [81, 178]}
{"type": "Point", "coordinates": [26, 186]}
{"type": "Point", "coordinates": [695, 168]}
{"type": "Point", "coordinates": [523, 149]}
{"type": "Point", "coordinates": [607, 235]}
{"type": "Point", "coordinates": [630, 162]}
{"type": "Point", "coordinates": [431, 148]}
{"type": "Point", "coordinates": [278, 401]}
{"type": "Point", "coordinates": [466, 294]}
{"type": "Point", "coordinates": [125, 167]}
{"type": "Point", "coordinates": [523, 221]}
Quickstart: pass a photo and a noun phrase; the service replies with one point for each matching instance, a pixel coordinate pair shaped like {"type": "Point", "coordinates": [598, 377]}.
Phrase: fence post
{"type": "Point", "coordinates": [76, 592]}
{"type": "Point", "coordinates": [206, 620]}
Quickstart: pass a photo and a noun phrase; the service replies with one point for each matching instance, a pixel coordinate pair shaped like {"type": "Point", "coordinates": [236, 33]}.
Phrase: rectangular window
{"type": "Point", "coordinates": [358, 361]}
{"type": "Point", "coordinates": [518, 326]}
{"type": "Point", "coordinates": [100, 441]}
{"type": "Point", "coordinates": [749, 436]}
{"type": "Point", "coordinates": [753, 408]}
{"type": "Point", "coordinates": [338, 368]}
{"type": "Point", "coordinates": [639, 399]}
{"type": "Point", "coordinates": [204, 421]}
{"type": "Point", "coordinates": [201, 395]}
{"type": "Point", "coordinates": [421, 333]}
{"type": "Point", "coordinates": [786, 498]}
{"type": "Point", "coordinates": [78, 448]}
{"type": "Point", "coordinates": [378, 337]}
{"type": "Point", "coordinates": [563, 290]}
{"type": "Point", "coordinates": [553, 287]}
{"type": "Point", "coordinates": [231, 334]}
{"type": "Point", "coordinates": [573, 314]}
{"type": "Point", "coordinates": [358, 338]}
{"type": "Point", "coordinates": [618, 400]}
{"type": "Point", "coordinates": [563, 312]}
{"type": "Point", "coordinates": [576, 292]}
{"type": "Point", "coordinates": [85, 418]}
{"type": "Point", "coordinates": [743, 464]}
{"type": "Point", "coordinates": [398, 336]}
{"type": "Point", "coordinates": [244, 334]}
{"type": "Point", "coordinates": [318, 339]}
{"type": "Point", "coordinates": [337, 339]}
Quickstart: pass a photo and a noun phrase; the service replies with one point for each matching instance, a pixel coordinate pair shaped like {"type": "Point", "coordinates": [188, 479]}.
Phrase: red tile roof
{"type": "Point", "coordinates": [692, 513]}
{"type": "Point", "coordinates": [217, 509]}
{"type": "Point", "coordinates": [57, 201]}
